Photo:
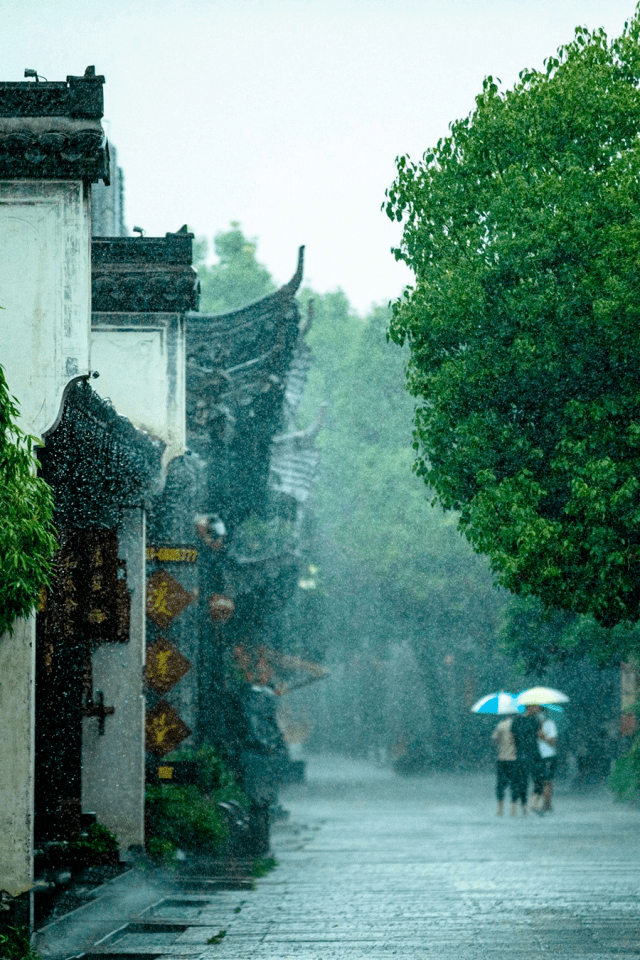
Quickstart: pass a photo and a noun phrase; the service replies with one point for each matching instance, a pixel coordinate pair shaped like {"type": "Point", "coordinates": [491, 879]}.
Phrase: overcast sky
{"type": "Point", "coordinates": [286, 115]}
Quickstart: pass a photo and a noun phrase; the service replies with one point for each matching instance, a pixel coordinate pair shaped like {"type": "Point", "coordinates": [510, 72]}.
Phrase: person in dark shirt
{"type": "Point", "coordinates": [526, 730]}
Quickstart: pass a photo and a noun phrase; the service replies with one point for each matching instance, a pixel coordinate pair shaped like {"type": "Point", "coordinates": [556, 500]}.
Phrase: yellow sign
{"type": "Point", "coordinates": [172, 554]}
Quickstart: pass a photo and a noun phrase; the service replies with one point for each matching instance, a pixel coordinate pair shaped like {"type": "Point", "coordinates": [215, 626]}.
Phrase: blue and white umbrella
{"type": "Point", "coordinates": [501, 702]}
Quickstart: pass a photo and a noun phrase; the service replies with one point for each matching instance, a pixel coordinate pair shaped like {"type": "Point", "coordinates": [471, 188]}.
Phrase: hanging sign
{"type": "Point", "coordinates": [165, 666]}
{"type": "Point", "coordinates": [88, 595]}
{"type": "Point", "coordinates": [168, 554]}
{"type": "Point", "coordinates": [221, 608]}
{"type": "Point", "coordinates": [164, 729]}
{"type": "Point", "coordinates": [166, 598]}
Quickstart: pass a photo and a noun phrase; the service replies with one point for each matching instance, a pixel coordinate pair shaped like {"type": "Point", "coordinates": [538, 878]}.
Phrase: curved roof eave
{"type": "Point", "coordinates": [284, 292]}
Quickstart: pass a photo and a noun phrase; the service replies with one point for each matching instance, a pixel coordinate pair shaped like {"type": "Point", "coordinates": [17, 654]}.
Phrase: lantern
{"type": "Point", "coordinates": [221, 608]}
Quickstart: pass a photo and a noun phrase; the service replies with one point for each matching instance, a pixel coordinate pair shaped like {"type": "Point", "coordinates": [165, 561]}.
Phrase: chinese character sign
{"type": "Point", "coordinates": [166, 599]}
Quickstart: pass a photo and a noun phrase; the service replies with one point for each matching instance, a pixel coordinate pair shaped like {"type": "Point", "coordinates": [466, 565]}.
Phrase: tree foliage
{"type": "Point", "coordinates": [539, 639]}
{"type": "Point", "coordinates": [374, 510]}
{"type": "Point", "coordinates": [27, 535]}
{"type": "Point", "coordinates": [236, 278]}
{"type": "Point", "coordinates": [523, 230]}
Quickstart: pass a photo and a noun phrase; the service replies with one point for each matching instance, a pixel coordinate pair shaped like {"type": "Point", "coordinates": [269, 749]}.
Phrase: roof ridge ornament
{"type": "Point", "coordinates": [293, 285]}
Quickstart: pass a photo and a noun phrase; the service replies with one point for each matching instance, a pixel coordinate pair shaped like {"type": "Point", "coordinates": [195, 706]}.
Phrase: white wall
{"type": "Point", "coordinates": [45, 290]}
{"type": "Point", "coordinates": [141, 362]}
{"type": "Point", "coordinates": [113, 775]}
{"type": "Point", "coordinates": [17, 706]}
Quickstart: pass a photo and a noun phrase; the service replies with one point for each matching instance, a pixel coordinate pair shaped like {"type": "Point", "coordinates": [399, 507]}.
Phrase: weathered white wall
{"type": "Point", "coordinates": [113, 775]}
{"type": "Point", "coordinates": [141, 362]}
{"type": "Point", "coordinates": [17, 705]}
{"type": "Point", "coordinates": [45, 290]}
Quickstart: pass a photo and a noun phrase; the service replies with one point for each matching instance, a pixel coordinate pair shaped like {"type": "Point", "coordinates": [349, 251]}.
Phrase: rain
{"type": "Point", "coordinates": [318, 445]}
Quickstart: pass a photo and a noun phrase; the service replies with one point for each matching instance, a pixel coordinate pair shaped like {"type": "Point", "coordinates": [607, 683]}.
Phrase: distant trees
{"type": "Point", "coordinates": [523, 231]}
{"type": "Point", "coordinates": [395, 572]}
{"type": "Point", "coordinates": [406, 610]}
{"type": "Point", "coordinates": [27, 534]}
{"type": "Point", "coordinates": [376, 510]}
{"type": "Point", "coordinates": [236, 278]}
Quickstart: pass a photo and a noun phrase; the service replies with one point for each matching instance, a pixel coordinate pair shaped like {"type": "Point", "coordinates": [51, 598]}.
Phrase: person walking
{"type": "Point", "coordinates": [525, 729]}
{"type": "Point", "coordinates": [505, 764]}
{"type": "Point", "coordinates": [547, 740]}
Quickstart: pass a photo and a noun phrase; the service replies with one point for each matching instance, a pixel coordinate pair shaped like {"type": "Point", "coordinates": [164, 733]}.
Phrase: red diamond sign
{"type": "Point", "coordinates": [164, 729]}
{"type": "Point", "coordinates": [165, 666]}
{"type": "Point", "coordinates": [165, 599]}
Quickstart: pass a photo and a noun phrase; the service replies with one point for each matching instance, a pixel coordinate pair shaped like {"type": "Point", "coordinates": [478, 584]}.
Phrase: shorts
{"type": "Point", "coordinates": [522, 773]}
{"type": "Point", "coordinates": [505, 778]}
{"type": "Point", "coordinates": [537, 774]}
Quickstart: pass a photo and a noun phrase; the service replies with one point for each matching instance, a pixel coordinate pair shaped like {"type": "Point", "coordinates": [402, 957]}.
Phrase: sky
{"type": "Point", "coordinates": [287, 115]}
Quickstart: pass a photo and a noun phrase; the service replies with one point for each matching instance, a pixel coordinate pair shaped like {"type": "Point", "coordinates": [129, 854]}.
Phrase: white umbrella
{"type": "Point", "coordinates": [541, 696]}
{"type": "Point", "coordinates": [496, 703]}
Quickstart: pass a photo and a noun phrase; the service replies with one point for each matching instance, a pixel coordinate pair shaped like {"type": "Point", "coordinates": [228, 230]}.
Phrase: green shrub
{"type": "Point", "coordinates": [96, 844]}
{"type": "Point", "coordinates": [262, 866]}
{"type": "Point", "coordinates": [625, 778]}
{"type": "Point", "coordinates": [162, 851]}
{"type": "Point", "coordinates": [188, 817]}
{"type": "Point", "coordinates": [185, 818]}
{"type": "Point", "coordinates": [214, 777]}
{"type": "Point", "coordinates": [15, 944]}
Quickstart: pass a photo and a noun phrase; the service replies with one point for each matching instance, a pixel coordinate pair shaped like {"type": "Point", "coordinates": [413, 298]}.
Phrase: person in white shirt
{"type": "Point", "coordinates": [547, 739]}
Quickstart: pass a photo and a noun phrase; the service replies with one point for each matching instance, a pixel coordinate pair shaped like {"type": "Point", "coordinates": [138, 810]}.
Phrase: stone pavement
{"type": "Point", "coordinates": [423, 868]}
{"type": "Point", "coordinates": [375, 866]}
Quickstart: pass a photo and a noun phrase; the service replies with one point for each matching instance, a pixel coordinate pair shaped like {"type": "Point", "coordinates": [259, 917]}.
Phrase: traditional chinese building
{"type": "Point", "coordinates": [105, 469]}
{"type": "Point", "coordinates": [52, 147]}
{"type": "Point", "coordinates": [73, 707]}
{"type": "Point", "coordinates": [178, 492]}
{"type": "Point", "coordinates": [237, 499]}
{"type": "Point", "coordinates": [90, 635]}
{"type": "Point", "coordinates": [237, 369]}
{"type": "Point", "coordinates": [141, 289]}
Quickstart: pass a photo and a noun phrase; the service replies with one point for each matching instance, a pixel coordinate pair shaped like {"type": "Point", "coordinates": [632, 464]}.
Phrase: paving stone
{"type": "Point", "coordinates": [372, 866]}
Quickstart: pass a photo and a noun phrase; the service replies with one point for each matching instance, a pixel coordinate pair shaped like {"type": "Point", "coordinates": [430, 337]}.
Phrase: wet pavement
{"type": "Point", "coordinates": [371, 865]}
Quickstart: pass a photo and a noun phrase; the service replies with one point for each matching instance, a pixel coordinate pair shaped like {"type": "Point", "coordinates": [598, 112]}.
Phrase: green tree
{"type": "Point", "coordinates": [237, 278]}
{"type": "Point", "coordinates": [540, 639]}
{"type": "Point", "coordinates": [522, 228]}
{"type": "Point", "coordinates": [27, 534]}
